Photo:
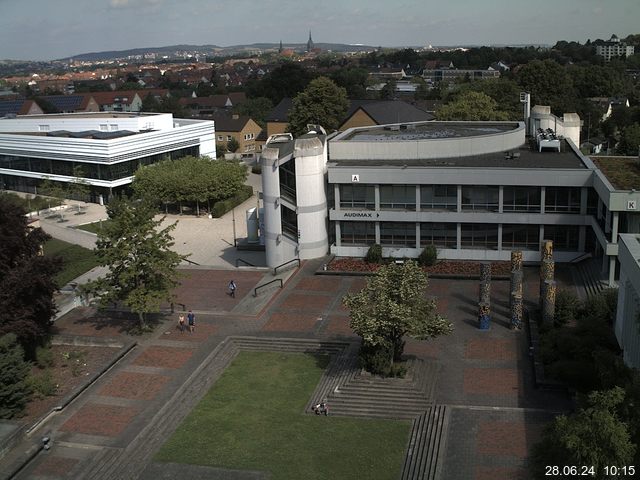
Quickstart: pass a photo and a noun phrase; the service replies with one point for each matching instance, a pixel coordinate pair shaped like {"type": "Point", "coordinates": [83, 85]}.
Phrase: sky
{"type": "Point", "coordinates": [59, 29]}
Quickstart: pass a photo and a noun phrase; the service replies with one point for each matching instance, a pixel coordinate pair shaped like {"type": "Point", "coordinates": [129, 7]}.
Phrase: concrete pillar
{"type": "Point", "coordinates": [336, 196]}
{"type": "Point", "coordinates": [418, 198]}
{"type": "Point", "coordinates": [376, 196]}
{"type": "Point", "coordinates": [459, 191]}
{"type": "Point", "coordinates": [516, 260]}
{"type": "Point", "coordinates": [582, 238]}
{"type": "Point", "coordinates": [614, 227]}
{"type": "Point", "coordinates": [612, 271]}
{"type": "Point", "coordinates": [418, 235]}
{"type": "Point", "coordinates": [459, 236]}
{"type": "Point", "coordinates": [485, 283]}
{"type": "Point", "coordinates": [500, 236]}
{"type": "Point", "coordinates": [338, 234]}
{"type": "Point", "coordinates": [547, 270]}
{"type": "Point", "coordinates": [378, 233]}
{"type": "Point", "coordinates": [500, 200]}
{"type": "Point", "coordinates": [543, 192]}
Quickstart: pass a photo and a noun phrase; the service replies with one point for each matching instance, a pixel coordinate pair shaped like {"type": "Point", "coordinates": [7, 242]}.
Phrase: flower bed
{"type": "Point", "coordinates": [462, 268]}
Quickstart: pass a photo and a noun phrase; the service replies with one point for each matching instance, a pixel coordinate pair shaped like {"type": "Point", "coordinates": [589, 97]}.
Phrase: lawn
{"type": "Point", "coordinates": [76, 260]}
{"type": "Point", "coordinates": [252, 420]}
{"type": "Point", "coordinates": [93, 227]}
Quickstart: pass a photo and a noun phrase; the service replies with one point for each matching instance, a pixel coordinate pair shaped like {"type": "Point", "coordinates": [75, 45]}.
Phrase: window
{"type": "Point", "coordinates": [220, 138]}
{"type": "Point", "coordinates": [229, 137]}
{"type": "Point", "coordinates": [521, 199]}
{"type": "Point", "coordinates": [479, 236]}
{"type": "Point", "coordinates": [287, 172]}
{"type": "Point", "coordinates": [439, 197]}
{"type": "Point", "coordinates": [520, 237]}
{"type": "Point", "coordinates": [398, 197]}
{"type": "Point", "coordinates": [43, 128]}
{"type": "Point", "coordinates": [565, 237]}
{"type": "Point", "coordinates": [400, 234]}
{"type": "Point", "coordinates": [248, 136]}
{"type": "Point", "coordinates": [358, 233]}
{"type": "Point", "coordinates": [439, 234]}
{"type": "Point", "coordinates": [480, 198]}
{"type": "Point", "coordinates": [562, 200]}
{"type": "Point", "coordinates": [358, 197]}
{"type": "Point", "coordinates": [104, 127]}
{"type": "Point", "coordinates": [289, 222]}
{"type": "Point", "coordinates": [113, 127]}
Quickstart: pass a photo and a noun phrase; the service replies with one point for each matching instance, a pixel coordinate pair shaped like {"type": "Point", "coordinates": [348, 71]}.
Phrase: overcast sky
{"type": "Point", "coordinates": [51, 29]}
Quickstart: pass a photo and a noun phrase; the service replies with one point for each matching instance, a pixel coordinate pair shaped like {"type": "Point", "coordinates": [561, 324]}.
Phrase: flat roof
{"type": "Point", "coordinates": [427, 131]}
{"type": "Point", "coordinates": [622, 172]}
{"type": "Point", "coordinates": [85, 115]}
{"type": "Point", "coordinates": [523, 157]}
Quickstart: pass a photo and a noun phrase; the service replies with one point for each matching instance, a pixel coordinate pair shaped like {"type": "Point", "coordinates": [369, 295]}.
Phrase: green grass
{"type": "Point", "coordinates": [93, 227]}
{"type": "Point", "coordinates": [252, 420]}
{"type": "Point", "coordinates": [33, 202]}
{"type": "Point", "coordinates": [76, 260]}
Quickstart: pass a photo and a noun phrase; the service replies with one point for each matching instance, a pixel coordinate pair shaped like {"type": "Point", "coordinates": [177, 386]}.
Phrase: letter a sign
{"type": "Point", "coordinates": [355, 178]}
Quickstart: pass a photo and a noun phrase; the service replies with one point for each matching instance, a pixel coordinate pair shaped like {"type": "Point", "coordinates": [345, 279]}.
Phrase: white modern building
{"type": "Point", "coordinates": [109, 147]}
{"type": "Point", "coordinates": [626, 326]}
{"type": "Point", "coordinates": [475, 190]}
{"type": "Point", "coordinates": [614, 48]}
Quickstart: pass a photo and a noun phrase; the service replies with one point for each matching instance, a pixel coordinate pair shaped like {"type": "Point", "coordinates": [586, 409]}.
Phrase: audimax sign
{"type": "Point", "coordinates": [360, 215]}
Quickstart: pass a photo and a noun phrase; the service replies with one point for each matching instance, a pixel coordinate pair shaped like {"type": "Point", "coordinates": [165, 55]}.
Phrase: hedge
{"type": "Point", "coordinates": [223, 206]}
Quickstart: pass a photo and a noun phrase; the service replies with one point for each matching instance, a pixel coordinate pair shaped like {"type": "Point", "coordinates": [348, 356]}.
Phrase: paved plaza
{"type": "Point", "coordinates": [484, 378]}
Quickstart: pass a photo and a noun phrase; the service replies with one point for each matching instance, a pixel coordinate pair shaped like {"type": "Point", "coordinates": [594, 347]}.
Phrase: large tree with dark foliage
{"type": "Point", "coordinates": [26, 278]}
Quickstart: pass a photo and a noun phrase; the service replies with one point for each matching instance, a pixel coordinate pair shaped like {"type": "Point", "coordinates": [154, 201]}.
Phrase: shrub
{"type": "Point", "coordinates": [14, 387]}
{"type": "Point", "coordinates": [567, 307]}
{"type": "Point", "coordinates": [42, 385]}
{"type": "Point", "coordinates": [257, 169]}
{"type": "Point", "coordinates": [374, 254]}
{"type": "Point", "coordinates": [233, 145]}
{"type": "Point", "coordinates": [428, 256]}
{"type": "Point", "coordinates": [44, 357]}
{"type": "Point", "coordinates": [376, 359]}
{"type": "Point", "coordinates": [223, 206]}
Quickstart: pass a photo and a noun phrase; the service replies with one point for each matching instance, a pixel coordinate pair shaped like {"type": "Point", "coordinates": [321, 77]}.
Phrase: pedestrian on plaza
{"type": "Point", "coordinates": [232, 289]}
{"type": "Point", "coordinates": [181, 323]}
{"type": "Point", "coordinates": [191, 319]}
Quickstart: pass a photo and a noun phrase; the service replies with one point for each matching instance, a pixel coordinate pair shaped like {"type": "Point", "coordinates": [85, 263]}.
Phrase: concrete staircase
{"type": "Point", "coordinates": [426, 444]}
{"type": "Point", "coordinates": [364, 395]}
{"type": "Point", "coordinates": [590, 278]}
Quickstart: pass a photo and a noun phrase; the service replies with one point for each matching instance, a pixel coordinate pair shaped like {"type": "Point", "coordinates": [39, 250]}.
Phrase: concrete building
{"type": "Point", "coordinates": [614, 48]}
{"type": "Point", "coordinates": [626, 325]}
{"type": "Point", "coordinates": [109, 147]}
{"type": "Point", "coordinates": [475, 190]}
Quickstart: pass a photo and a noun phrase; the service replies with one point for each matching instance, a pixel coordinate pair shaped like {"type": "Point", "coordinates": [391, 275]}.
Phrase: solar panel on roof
{"type": "Point", "coordinates": [11, 106]}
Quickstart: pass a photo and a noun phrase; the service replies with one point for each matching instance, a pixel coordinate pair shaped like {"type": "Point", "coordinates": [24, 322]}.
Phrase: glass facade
{"type": "Point", "coordinates": [520, 237]}
{"type": "Point", "coordinates": [289, 220]}
{"type": "Point", "coordinates": [398, 234]}
{"type": "Point", "coordinates": [439, 234]}
{"type": "Point", "coordinates": [521, 199]}
{"type": "Point", "coordinates": [95, 171]}
{"type": "Point", "coordinates": [479, 236]}
{"type": "Point", "coordinates": [287, 172]}
{"type": "Point", "coordinates": [361, 197]}
{"type": "Point", "coordinates": [480, 198]}
{"type": "Point", "coordinates": [439, 197]}
{"type": "Point", "coordinates": [397, 197]}
{"type": "Point", "coordinates": [357, 233]}
{"type": "Point", "coordinates": [565, 237]}
{"type": "Point", "coordinates": [562, 200]}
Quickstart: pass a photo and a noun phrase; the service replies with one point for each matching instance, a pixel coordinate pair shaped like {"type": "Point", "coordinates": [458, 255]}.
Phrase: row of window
{"type": "Point", "coordinates": [472, 235]}
{"type": "Point", "coordinates": [482, 198]}
{"type": "Point", "coordinates": [95, 171]}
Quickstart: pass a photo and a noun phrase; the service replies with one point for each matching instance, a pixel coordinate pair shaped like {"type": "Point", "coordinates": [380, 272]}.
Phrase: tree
{"type": "Point", "coordinates": [388, 92]}
{"type": "Point", "coordinates": [629, 140]}
{"type": "Point", "coordinates": [471, 106]}
{"type": "Point", "coordinates": [549, 84]}
{"type": "Point", "coordinates": [255, 108]}
{"type": "Point", "coordinates": [233, 145]}
{"type": "Point", "coordinates": [14, 371]}
{"type": "Point", "coordinates": [321, 103]}
{"type": "Point", "coordinates": [287, 80]}
{"type": "Point", "coordinates": [142, 267]}
{"type": "Point", "coordinates": [79, 188]}
{"type": "Point", "coordinates": [26, 278]}
{"type": "Point", "coordinates": [593, 436]}
{"type": "Point", "coordinates": [393, 305]}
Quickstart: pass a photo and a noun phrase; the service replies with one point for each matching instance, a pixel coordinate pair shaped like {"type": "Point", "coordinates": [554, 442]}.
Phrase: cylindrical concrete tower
{"type": "Point", "coordinates": [311, 160]}
{"type": "Point", "coordinates": [272, 222]}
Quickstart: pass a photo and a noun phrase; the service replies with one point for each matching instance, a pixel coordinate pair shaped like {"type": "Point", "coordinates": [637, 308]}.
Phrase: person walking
{"type": "Point", "coordinates": [232, 289]}
{"type": "Point", "coordinates": [181, 323]}
{"type": "Point", "coordinates": [191, 319]}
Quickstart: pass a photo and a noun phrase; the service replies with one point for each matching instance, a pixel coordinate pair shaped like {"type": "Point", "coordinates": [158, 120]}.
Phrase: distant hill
{"type": "Point", "coordinates": [211, 50]}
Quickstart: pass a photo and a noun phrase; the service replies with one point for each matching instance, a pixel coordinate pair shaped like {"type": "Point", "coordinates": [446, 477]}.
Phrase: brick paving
{"type": "Point", "coordinates": [491, 381]}
{"type": "Point", "coordinates": [201, 332]}
{"type": "Point", "coordinates": [164, 357]}
{"type": "Point", "coordinates": [495, 473]}
{"type": "Point", "coordinates": [138, 386]}
{"type": "Point", "coordinates": [83, 322]}
{"type": "Point", "coordinates": [338, 325]}
{"type": "Point", "coordinates": [104, 420]}
{"type": "Point", "coordinates": [291, 322]}
{"type": "Point", "coordinates": [322, 284]}
{"type": "Point", "coordinates": [55, 466]}
{"type": "Point", "coordinates": [305, 302]}
{"type": "Point", "coordinates": [502, 438]}
{"type": "Point", "coordinates": [491, 349]}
